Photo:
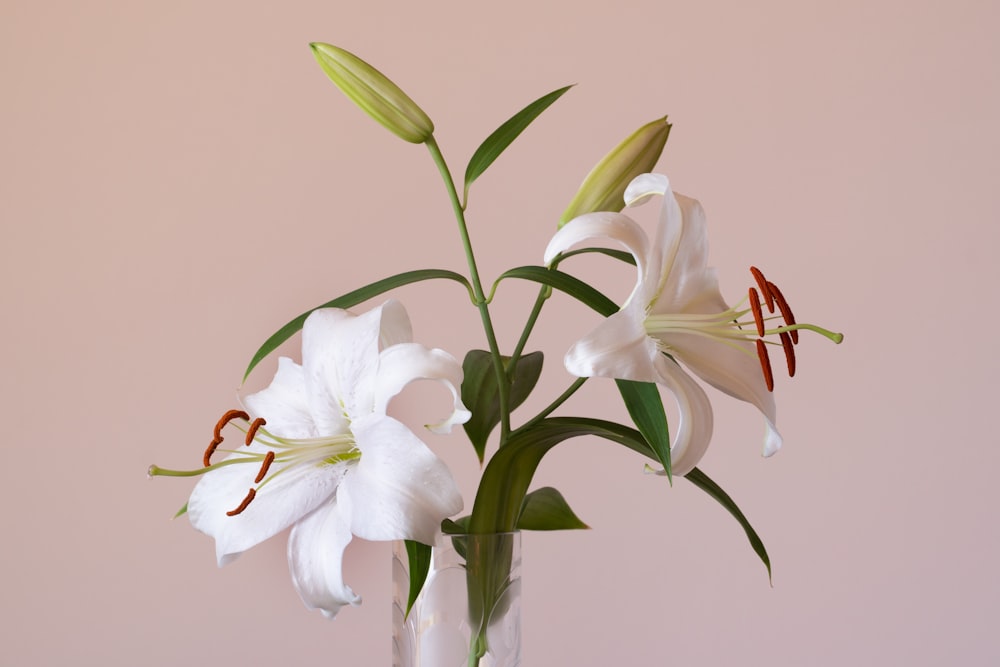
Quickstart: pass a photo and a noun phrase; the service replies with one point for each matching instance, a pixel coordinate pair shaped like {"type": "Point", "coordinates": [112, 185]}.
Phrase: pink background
{"type": "Point", "coordinates": [178, 179]}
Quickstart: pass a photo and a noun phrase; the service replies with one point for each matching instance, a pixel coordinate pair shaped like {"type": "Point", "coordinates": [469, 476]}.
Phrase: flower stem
{"type": "Point", "coordinates": [503, 385]}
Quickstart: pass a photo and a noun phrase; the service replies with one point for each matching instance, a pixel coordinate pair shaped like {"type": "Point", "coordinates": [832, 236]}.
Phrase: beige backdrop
{"type": "Point", "coordinates": [178, 178]}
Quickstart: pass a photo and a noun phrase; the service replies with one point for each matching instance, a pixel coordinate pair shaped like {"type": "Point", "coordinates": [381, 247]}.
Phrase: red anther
{"type": "Point", "coordinates": [763, 285]}
{"type": "Point", "coordinates": [226, 418]}
{"type": "Point", "coordinates": [252, 431]}
{"type": "Point", "coordinates": [758, 317]}
{"type": "Point", "coordinates": [765, 364]}
{"type": "Point", "coordinates": [207, 459]}
{"type": "Point", "coordinates": [246, 501]}
{"type": "Point", "coordinates": [786, 312]}
{"type": "Point", "coordinates": [789, 348]}
{"type": "Point", "coordinates": [268, 458]}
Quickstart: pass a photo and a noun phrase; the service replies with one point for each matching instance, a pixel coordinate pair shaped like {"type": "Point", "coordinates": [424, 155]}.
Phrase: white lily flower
{"type": "Point", "coordinates": [328, 461]}
{"type": "Point", "coordinates": [676, 315]}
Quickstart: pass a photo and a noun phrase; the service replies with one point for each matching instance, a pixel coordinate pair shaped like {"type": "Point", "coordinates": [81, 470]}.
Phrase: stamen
{"type": "Point", "coordinates": [758, 317]}
{"type": "Point", "coordinates": [789, 348]}
{"type": "Point", "coordinates": [207, 459]}
{"type": "Point", "coordinates": [246, 501]}
{"type": "Point", "coordinates": [252, 431]}
{"type": "Point", "coordinates": [765, 364]}
{"type": "Point", "coordinates": [764, 288]}
{"type": "Point", "coordinates": [786, 312]}
{"type": "Point", "coordinates": [226, 418]}
{"type": "Point", "coordinates": [264, 466]}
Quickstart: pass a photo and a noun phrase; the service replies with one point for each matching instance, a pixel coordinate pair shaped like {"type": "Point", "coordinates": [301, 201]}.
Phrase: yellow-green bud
{"type": "Point", "coordinates": [377, 96]}
{"type": "Point", "coordinates": [604, 187]}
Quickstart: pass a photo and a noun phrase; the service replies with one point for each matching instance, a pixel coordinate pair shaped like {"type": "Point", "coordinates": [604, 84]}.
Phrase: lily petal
{"type": "Point", "coordinates": [733, 370]}
{"type": "Point", "coordinates": [278, 504]}
{"type": "Point", "coordinates": [695, 423]}
{"type": "Point", "coordinates": [400, 488]}
{"type": "Point", "coordinates": [403, 363]}
{"type": "Point", "coordinates": [605, 226]}
{"type": "Point", "coordinates": [284, 403]}
{"type": "Point", "coordinates": [617, 348]}
{"type": "Point", "coordinates": [315, 557]}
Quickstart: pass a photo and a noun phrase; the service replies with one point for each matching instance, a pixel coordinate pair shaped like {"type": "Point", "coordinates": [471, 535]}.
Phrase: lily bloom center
{"type": "Point", "coordinates": [746, 322]}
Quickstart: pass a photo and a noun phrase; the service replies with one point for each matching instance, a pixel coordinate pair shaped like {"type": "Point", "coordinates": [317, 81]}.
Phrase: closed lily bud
{"type": "Point", "coordinates": [604, 187]}
{"type": "Point", "coordinates": [371, 90]}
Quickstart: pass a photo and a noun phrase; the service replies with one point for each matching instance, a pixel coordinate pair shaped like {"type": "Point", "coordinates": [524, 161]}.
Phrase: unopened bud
{"type": "Point", "coordinates": [377, 96]}
{"type": "Point", "coordinates": [604, 187]}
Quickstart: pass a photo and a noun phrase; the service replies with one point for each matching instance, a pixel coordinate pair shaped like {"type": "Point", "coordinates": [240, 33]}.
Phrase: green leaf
{"type": "Point", "coordinates": [564, 283]}
{"type": "Point", "coordinates": [505, 480]}
{"type": "Point", "coordinates": [482, 396]}
{"type": "Point", "coordinates": [620, 255]}
{"type": "Point", "coordinates": [546, 509]}
{"type": "Point", "coordinates": [702, 481]}
{"type": "Point", "coordinates": [182, 511]}
{"type": "Point", "coordinates": [504, 135]}
{"type": "Point", "coordinates": [645, 406]}
{"type": "Point", "coordinates": [359, 295]}
{"type": "Point", "coordinates": [419, 556]}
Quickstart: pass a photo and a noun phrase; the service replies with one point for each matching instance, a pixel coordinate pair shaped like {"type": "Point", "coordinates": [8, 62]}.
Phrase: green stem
{"type": "Point", "coordinates": [477, 289]}
{"type": "Point", "coordinates": [543, 295]}
{"type": "Point", "coordinates": [563, 397]}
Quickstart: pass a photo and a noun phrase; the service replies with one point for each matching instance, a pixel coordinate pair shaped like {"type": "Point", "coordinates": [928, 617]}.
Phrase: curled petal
{"type": "Point", "coordinates": [315, 557]}
{"type": "Point", "coordinates": [733, 369]}
{"type": "Point", "coordinates": [644, 186]}
{"type": "Point", "coordinates": [694, 427]}
{"type": "Point", "coordinates": [403, 363]}
{"type": "Point", "coordinates": [278, 504]}
{"type": "Point", "coordinates": [399, 489]}
{"type": "Point", "coordinates": [617, 348]}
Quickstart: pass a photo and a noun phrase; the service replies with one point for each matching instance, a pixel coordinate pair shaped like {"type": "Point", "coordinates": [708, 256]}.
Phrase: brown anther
{"type": "Point", "coordinates": [246, 501]}
{"type": "Point", "coordinates": [765, 364]}
{"type": "Point", "coordinates": [758, 316]}
{"type": "Point", "coordinates": [764, 288]}
{"type": "Point", "coordinates": [226, 418]}
{"type": "Point", "coordinates": [786, 312]}
{"type": "Point", "coordinates": [252, 431]}
{"type": "Point", "coordinates": [207, 459]}
{"type": "Point", "coordinates": [789, 348]}
{"type": "Point", "coordinates": [268, 458]}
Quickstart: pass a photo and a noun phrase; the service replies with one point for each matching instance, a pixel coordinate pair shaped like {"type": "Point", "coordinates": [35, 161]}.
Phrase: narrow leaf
{"type": "Point", "coordinates": [504, 135]}
{"type": "Point", "coordinates": [564, 282]}
{"type": "Point", "coordinates": [359, 295]}
{"type": "Point", "coordinates": [645, 406]}
{"type": "Point", "coordinates": [702, 481]}
{"type": "Point", "coordinates": [419, 556]}
{"type": "Point", "coordinates": [482, 396]}
{"type": "Point", "coordinates": [546, 509]}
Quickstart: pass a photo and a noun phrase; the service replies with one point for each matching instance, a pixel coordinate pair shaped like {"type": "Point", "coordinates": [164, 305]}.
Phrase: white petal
{"type": "Point", "coordinates": [683, 238]}
{"type": "Point", "coordinates": [734, 371]}
{"type": "Point", "coordinates": [277, 505]}
{"type": "Point", "coordinates": [617, 348]}
{"type": "Point", "coordinates": [401, 364]}
{"type": "Point", "coordinates": [315, 558]}
{"type": "Point", "coordinates": [395, 325]}
{"type": "Point", "coordinates": [400, 489]}
{"type": "Point", "coordinates": [604, 226]}
{"type": "Point", "coordinates": [340, 356]}
{"type": "Point", "coordinates": [643, 187]}
{"type": "Point", "coordinates": [694, 426]}
{"type": "Point", "coordinates": [283, 404]}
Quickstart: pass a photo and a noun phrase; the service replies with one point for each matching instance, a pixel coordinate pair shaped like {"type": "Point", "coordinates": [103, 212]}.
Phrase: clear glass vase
{"type": "Point", "coordinates": [468, 613]}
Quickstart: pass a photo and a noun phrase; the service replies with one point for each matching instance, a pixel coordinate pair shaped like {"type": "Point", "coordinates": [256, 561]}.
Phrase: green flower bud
{"type": "Point", "coordinates": [377, 96]}
{"type": "Point", "coordinates": [604, 187]}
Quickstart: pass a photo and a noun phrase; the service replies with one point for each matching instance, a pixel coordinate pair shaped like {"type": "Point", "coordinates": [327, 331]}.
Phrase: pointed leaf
{"type": "Point", "coordinates": [359, 295]}
{"type": "Point", "coordinates": [482, 396]}
{"type": "Point", "coordinates": [645, 406]}
{"type": "Point", "coordinates": [419, 556]}
{"type": "Point", "coordinates": [546, 509]}
{"type": "Point", "coordinates": [702, 481]}
{"type": "Point", "coordinates": [564, 283]}
{"type": "Point", "coordinates": [504, 135]}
